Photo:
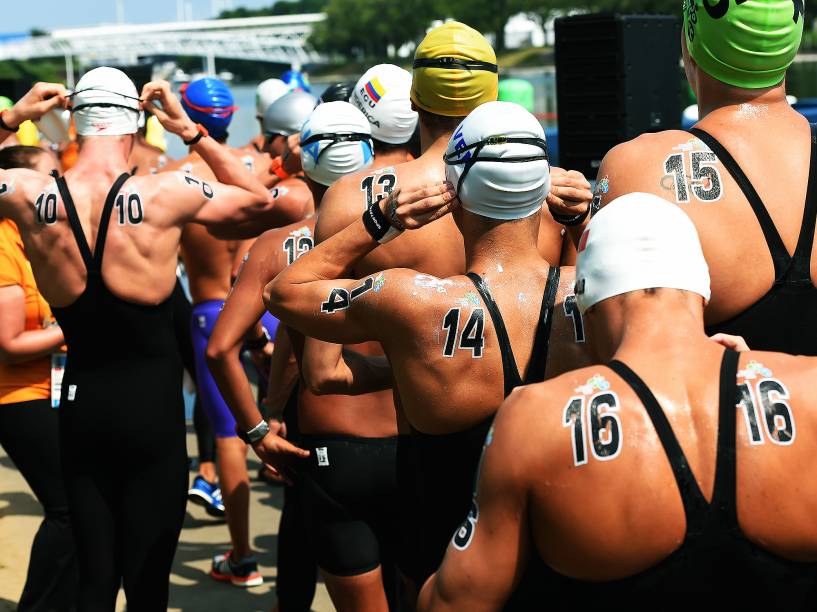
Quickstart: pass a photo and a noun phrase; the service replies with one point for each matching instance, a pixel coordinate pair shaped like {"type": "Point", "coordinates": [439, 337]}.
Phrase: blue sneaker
{"type": "Point", "coordinates": [206, 495]}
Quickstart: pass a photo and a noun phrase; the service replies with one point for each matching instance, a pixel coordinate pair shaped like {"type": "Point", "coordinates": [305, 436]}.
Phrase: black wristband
{"type": "Point", "coordinates": [570, 221]}
{"type": "Point", "coordinates": [259, 343]}
{"type": "Point", "coordinates": [202, 133]}
{"type": "Point", "coordinates": [378, 225]}
{"type": "Point", "coordinates": [5, 126]}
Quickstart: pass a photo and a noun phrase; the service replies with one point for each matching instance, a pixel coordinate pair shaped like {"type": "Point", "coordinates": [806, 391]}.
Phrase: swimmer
{"type": "Point", "coordinates": [457, 345]}
{"type": "Point", "coordinates": [122, 431]}
{"type": "Point", "coordinates": [741, 188]}
{"type": "Point", "coordinates": [267, 92]}
{"type": "Point", "coordinates": [347, 542]}
{"type": "Point", "coordinates": [208, 262]}
{"type": "Point", "coordinates": [640, 484]}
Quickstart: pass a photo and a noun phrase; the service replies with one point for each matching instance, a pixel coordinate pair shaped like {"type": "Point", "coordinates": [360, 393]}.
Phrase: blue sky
{"type": "Point", "coordinates": [53, 14]}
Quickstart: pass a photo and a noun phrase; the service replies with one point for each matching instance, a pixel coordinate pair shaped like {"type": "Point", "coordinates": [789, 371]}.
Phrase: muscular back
{"type": "Point", "coordinates": [434, 249]}
{"type": "Point", "coordinates": [143, 236]}
{"type": "Point", "coordinates": [440, 339]}
{"type": "Point", "coordinates": [680, 169]}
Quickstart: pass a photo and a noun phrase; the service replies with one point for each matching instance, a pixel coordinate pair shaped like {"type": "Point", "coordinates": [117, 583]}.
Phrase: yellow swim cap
{"type": "Point", "coordinates": [28, 134]}
{"type": "Point", "coordinates": [454, 71]}
{"type": "Point", "coordinates": [155, 133]}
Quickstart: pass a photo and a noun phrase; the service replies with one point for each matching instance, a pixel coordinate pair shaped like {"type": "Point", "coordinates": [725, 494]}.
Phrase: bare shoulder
{"type": "Point", "coordinates": [640, 165]}
{"type": "Point", "coordinates": [799, 371]}
{"type": "Point", "coordinates": [21, 186]}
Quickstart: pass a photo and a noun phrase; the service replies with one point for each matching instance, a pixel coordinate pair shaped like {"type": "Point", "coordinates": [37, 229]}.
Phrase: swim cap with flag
{"type": "Point", "coordinates": [744, 43]}
{"type": "Point", "coordinates": [382, 94]}
{"type": "Point", "coordinates": [105, 103]}
{"type": "Point", "coordinates": [639, 241]}
{"type": "Point", "coordinates": [454, 71]}
{"type": "Point", "coordinates": [498, 161]}
{"type": "Point", "coordinates": [336, 140]}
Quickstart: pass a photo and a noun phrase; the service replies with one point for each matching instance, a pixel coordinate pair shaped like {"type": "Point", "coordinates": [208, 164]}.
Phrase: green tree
{"type": "Point", "coordinates": [366, 28]}
{"type": "Point", "coordinates": [282, 7]}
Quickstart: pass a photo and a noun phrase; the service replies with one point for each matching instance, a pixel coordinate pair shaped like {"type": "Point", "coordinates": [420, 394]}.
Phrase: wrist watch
{"type": "Point", "coordinates": [254, 435]}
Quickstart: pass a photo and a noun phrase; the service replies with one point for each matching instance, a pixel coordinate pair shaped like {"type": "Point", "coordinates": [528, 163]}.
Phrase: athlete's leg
{"type": "Point", "coordinates": [235, 491]}
{"type": "Point", "coordinates": [342, 482]}
{"type": "Point", "coordinates": [90, 485]}
{"type": "Point", "coordinates": [231, 453]}
{"type": "Point", "coordinates": [150, 520]}
{"type": "Point", "coordinates": [297, 568]}
{"type": "Point", "coordinates": [205, 441]}
{"type": "Point", "coordinates": [361, 592]}
{"type": "Point", "coordinates": [29, 433]}
{"type": "Point", "coordinates": [182, 314]}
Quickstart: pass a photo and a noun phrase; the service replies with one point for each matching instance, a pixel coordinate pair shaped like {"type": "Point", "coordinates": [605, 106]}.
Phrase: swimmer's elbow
{"type": "Point", "coordinates": [273, 296]}
{"type": "Point", "coordinates": [324, 381]}
{"type": "Point", "coordinates": [217, 354]}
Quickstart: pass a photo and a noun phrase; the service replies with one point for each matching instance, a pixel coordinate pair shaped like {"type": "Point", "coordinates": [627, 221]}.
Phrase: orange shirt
{"type": "Point", "coordinates": [30, 380]}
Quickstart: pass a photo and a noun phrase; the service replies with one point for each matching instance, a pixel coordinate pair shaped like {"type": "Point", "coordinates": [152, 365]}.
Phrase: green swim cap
{"type": "Point", "coordinates": [744, 43]}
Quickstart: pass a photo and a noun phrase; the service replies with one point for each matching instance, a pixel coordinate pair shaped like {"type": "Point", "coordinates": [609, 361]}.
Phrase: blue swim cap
{"type": "Point", "coordinates": [296, 80]}
{"type": "Point", "coordinates": [209, 101]}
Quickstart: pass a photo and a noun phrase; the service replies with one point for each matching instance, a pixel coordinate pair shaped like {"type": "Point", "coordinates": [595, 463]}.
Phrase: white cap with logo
{"type": "Point", "coordinates": [639, 241]}
{"type": "Point", "coordinates": [382, 94]}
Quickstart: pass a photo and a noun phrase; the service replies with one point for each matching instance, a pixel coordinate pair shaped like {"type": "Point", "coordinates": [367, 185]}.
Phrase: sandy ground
{"type": "Point", "coordinates": [202, 537]}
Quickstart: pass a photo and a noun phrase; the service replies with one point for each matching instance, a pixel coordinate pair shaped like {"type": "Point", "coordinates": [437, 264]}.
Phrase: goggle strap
{"type": "Point", "coordinates": [454, 63]}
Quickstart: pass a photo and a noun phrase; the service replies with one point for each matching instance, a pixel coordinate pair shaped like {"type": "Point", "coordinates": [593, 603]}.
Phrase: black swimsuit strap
{"type": "Point", "coordinates": [541, 341]}
{"type": "Point", "coordinates": [802, 254]}
{"type": "Point", "coordinates": [510, 370]}
{"type": "Point", "coordinates": [725, 489]}
{"type": "Point", "coordinates": [780, 256]}
{"type": "Point", "coordinates": [93, 261]}
{"type": "Point", "coordinates": [102, 234]}
{"type": "Point", "coordinates": [695, 505]}
{"type": "Point", "coordinates": [73, 221]}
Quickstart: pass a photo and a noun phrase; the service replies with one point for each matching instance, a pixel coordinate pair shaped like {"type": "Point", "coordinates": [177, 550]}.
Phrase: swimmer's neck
{"type": "Point", "coordinates": [392, 158]}
{"type": "Point", "coordinates": [493, 246]}
{"type": "Point", "coordinates": [103, 156]}
{"type": "Point", "coordinates": [663, 328]}
{"type": "Point", "coordinates": [714, 96]}
{"type": "Point", "coordinates": [433, 142]}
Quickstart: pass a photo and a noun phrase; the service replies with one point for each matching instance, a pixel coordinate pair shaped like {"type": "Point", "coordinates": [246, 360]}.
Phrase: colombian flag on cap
{"type": "Point", "coordinates": [375, 89]}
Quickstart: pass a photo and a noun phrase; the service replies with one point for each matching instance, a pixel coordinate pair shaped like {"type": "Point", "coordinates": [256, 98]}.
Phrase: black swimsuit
{"type": "Point", "coordinates": [445, 465]}
{"type": "Point", "coordinates": [122, 434]}
{"type": "Point", "coordinates": [783, 319]}
{"type": "Point", "coordinates": [714, 557]}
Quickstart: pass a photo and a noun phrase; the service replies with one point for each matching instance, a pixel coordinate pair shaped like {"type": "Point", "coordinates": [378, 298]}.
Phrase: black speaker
{"type": "Point", "coordinates": [617, 76]}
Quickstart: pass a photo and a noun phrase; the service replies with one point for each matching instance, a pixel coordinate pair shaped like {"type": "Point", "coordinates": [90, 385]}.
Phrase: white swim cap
{"type": "Point", "coordinates": [639, 241]}
{"type": "Point", "coordinates": [105, 103]}
{"type": "Point", "coordinates": [383, 95]}
{"type": "Point", "coordinates": [268, 92]}
{"type": "Point", "coordinates": [336, 140]}
{"type": "Point", "coordinates": [498, 161]}
{"type": "Point", "coordinates": [287, 114]}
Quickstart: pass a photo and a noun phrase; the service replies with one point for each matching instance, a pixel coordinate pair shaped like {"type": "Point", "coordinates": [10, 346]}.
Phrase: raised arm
{"type": "Point", "coordinates": [316, 295]}
{"type": "Point", "coordinates": [237, 196]}
{"type": "Point", "coordinates": [488, 554]}
{"type": "Point", "coordinates": [38, 101]}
